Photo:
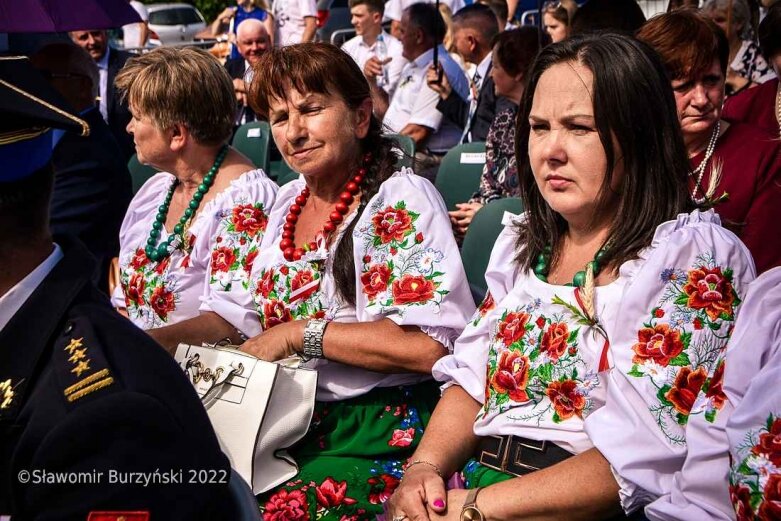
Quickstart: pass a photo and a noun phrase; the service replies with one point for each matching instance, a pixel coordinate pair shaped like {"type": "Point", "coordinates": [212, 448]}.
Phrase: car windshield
{"type": "Point", "coordinates": [175, 16]}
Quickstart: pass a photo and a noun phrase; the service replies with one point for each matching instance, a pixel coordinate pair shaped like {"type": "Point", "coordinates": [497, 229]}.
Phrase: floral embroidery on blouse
{"type": "Point", "coordinates": [482, 310]}
{"type": "Point", "coordinates": [536, 363]}
{"type": "Point", "coordinates": [682, 341]}
{"type": "Point", "coordinates": [236, 245]}
{"type": "Point", "coordinates": [287, 292]}
{"type": "Point", "coordinates": [150, 291]}
{"type": "Point", "coordinates": [755, 476]}
{"type": "Point", "coordinates": [397, 269]}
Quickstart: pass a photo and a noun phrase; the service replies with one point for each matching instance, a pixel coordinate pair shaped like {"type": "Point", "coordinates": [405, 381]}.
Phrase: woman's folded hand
{"type": "Point", "coordinates": [420, 493]}
{"type": "Point", "coordinates": [281, 341]}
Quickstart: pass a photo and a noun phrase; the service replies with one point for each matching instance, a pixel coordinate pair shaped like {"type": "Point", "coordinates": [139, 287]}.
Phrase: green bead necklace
{"type": "Point", "coordinates": [156, 252]}
{"type": "Point", "coordinates": [541, 269]}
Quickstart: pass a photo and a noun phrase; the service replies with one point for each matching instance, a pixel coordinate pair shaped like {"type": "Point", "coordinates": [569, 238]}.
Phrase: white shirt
{"type": "Point", "coordinates": [223, 240]}
{"type": "Point", "coordinates": [103, 72]}
{"type": "Point", "coordinates": [289, 20]}
{"type": "Point", "coordinates": [408, 270]}
{"type": "Point", "coordinates": [394, 8]}
{"type": "Point", "coordinates": [415, 102]}
{"type": "Point", "coordinates": [132, 32]}
{"type": "Point", "coordinates": [357, 48]}
{"type": "Point", "coordinates": [13, 300]}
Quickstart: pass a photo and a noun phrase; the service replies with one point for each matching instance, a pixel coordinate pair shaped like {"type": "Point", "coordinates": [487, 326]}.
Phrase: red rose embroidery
{"type": "Point", "coordinates": [487, 304]}
{"type": "Point", "coordinates": [392, 225]}
{"type": "Point", "coordinates": [411, 289]}
{"type": "Point", "coordinates": [135, 289]}
{"type": "Point", "coordinates": [300, 280]}
{"type": "Point", "coordinates": [658, 312]}
{"type": "Point", "coordinates": [139, 260]}
{"type": "Point", "coordinates": [419, 238]}
{"type": "Point", "coordinates": [375, 280]}
{"type": "Point", "coordinates": [685, 388]}
{"type": "Point", "coordinates": [540, 322]}
{"type": "Point", "coordinates": [332, 493]}
{"type": "Point", "coordinates": [659, 344]}
{"type": "Point", "coordinates": [402, 437]}
{"type": "Point", "coordinates": [697, 324]}
{"type": "Point", "coordinates": [708, 289]}
{"type": "Point", "coordinates": [162, 301]}
{"type": "Point", "coordinates": [248, 218]}
{"type": "Point", "coordinates": [769, 444]}
{"type": "Point", "coordinates": [249, 260]}
{"type": "Point", "coordinates": [512, 328]}
{"type": "Point", "coordinates": [161, 267]}
{"type": "Point", "coordinates": [265, 284]}
{"type": "Point", "coordinates": [512, 375]}
{"type": "Point", "coordinates": [275, 312]}
{"type": "Point", "coordinates": [554, 340]}
{"type": "Point", "coordinates": [566, 399]}
{"type": "Point", "coordinates": [715, 389]}
{"type": "Point", "coordinates": [222, 259]}
{"type": "Point", "coordinates": [382, 487]}
{"type": "Point", "coordinates": [740, 496]}
{"type": "Point", "coordinates": [287, 506]}
{"type": "Point", "coordinates": [771, 500]}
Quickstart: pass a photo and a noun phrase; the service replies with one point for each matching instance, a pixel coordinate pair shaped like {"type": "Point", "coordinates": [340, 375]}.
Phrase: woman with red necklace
{"type": "Point", "coordinates": [358, 274]}
{"type": "Point", "coordinates": [735, 167]}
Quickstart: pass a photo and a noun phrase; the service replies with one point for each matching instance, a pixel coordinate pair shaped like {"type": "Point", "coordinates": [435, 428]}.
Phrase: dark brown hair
{"type": "Point", "coordinates": [687, 42]}
{"type": "Point", "coordinates": [770, 31]}
{"type": "Point", "coordinates": [633, 105]}
{"type": "Point", "coordinates": [516, 49]}
{"type": "Point", "coordinates": [375, 6]}
{"type": "Point", "coordinates": [325, 69]}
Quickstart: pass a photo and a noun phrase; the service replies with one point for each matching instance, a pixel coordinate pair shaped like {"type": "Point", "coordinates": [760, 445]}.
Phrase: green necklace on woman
{"type": "Point", "coordinates": [542, 268]}
{"type": "Point", "coordinates": [157, 253]}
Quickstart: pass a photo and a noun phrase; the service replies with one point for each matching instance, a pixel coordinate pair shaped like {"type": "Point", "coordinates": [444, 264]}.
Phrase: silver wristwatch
{"type": "Point", "coordinates": [313, 338]}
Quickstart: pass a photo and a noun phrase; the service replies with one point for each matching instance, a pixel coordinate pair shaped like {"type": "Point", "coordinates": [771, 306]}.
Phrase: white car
{"type": "Point", "coordinates": [174, 23]}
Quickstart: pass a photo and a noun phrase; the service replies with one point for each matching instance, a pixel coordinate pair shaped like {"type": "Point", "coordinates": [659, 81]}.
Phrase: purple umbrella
{"type": "Point", "coordinates": [49, 16]}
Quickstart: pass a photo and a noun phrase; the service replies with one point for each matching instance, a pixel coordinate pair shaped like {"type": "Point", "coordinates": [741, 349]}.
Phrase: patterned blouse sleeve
{"type": "Point", "coordinates": [238, 227]}
{"type": "Point", "coordinates": [676, 315]}
{"type": "Point", "coordinates": [408, 266]}
{"type": "Point", "coordinates": [741, 434]}
{"type": "Point", "coordinates": [466, 366]}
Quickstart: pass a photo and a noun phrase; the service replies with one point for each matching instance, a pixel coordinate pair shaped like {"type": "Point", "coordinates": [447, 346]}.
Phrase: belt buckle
{"type": "Point", "coordinates": [518, 449]}
{"type": "Point", "coordinates": [496, 461]}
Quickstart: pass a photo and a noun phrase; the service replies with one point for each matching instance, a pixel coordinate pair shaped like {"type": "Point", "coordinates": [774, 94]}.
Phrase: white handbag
{"type": "Point", "coordinates": [257, 408]}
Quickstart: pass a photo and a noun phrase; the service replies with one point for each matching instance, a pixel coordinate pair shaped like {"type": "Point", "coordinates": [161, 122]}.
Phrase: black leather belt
{"type": "Point", "coordinates": [519, 456]}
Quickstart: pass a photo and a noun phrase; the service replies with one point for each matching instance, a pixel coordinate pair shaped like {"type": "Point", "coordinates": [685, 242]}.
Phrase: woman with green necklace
{"type": "Point", "coordinates": [568, 392]}
{"type": "Point", "coordinates": [196, 225]}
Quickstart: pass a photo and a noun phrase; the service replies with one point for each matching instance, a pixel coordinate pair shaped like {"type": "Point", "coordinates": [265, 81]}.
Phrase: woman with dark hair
{"type": "Point", "coordinates": [513, 53]}
{"type": "Point", "coordinates": [569, 384]}
{"type": "Point", "coordinates": [358, 274]}
{"type": "Point", "coordinates": [735, 168]}
{"type": "Point", "coordinates": [761, 106]}
{"type": "Point", "coordinates": [557, 18]}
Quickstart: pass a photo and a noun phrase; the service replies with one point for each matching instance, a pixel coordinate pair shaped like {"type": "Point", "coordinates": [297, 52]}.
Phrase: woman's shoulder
{"type": "Point", "coordinates": [406, 184]}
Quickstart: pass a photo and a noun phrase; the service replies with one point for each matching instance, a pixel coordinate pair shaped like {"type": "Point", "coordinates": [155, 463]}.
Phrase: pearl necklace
{"type": "Point", "coordinates": [157, 253]}
{"type": "Point", "coordinates": [700, 170]}
{"type": "Point", "coordinates": [346, 198]}
{"type": "Point", "coordinates": [778, 108]}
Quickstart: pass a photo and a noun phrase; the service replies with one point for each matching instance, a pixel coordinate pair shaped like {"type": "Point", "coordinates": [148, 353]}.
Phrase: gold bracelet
{"type": "Point", "coordinates": [424, 462]}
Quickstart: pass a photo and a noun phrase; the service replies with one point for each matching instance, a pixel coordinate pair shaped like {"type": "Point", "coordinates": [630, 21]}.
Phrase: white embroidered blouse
{"type": "Point", "coordinates": [222, 242]}
{"type": "Point", "coordinates": [543, 370]}
{"type": "Point", "coordinates": [408, 269]}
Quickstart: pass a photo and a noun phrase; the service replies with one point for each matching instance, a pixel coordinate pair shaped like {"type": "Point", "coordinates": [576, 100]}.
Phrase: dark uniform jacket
{"type": "Point", "coordinates": [118, 112]}
{"type": "Point", "coordinates": [237, 67]}
{"type": "Point", "coordinates": [83, 390]}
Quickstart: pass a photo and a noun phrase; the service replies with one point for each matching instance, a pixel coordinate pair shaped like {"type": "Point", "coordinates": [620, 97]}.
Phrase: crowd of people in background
{"type": "Point", "coordinates": [622, 364]}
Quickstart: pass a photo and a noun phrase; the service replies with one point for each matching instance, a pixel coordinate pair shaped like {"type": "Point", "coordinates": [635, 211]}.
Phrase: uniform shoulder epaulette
{"type": "Point", "coordinates": [79, 362]}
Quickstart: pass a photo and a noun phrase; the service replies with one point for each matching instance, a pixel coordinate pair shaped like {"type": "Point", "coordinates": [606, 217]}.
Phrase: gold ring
{"type": "Point", "coordinates": [399, 518]}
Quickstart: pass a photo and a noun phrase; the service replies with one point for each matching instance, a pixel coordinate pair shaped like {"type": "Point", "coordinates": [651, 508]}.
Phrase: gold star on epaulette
{"type": "Point", "coordinates": [6, 394]}
{"type": "Point", "coordinates": [78, 354]}
{"type": "Point", "coordinates": [81, 367]}
{"type": "Point", "coordinates": [74, 344]}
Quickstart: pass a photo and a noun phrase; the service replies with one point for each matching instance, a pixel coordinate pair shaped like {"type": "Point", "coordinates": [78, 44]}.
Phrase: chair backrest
{"type": "Point", "coordinates": [459, 173]}
{"type": "Point", "coordinates": [406, 149]}
{"type": "Point", "coordinates": [285, 174]}
{"type": "Point", "coordinates": [252, 140]}
{"type": "Point", "coordinates": [139, 174]}
{"type": "Point", "coordinates": [480, 238]}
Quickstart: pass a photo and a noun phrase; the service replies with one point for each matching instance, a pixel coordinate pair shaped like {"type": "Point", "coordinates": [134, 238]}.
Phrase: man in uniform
{"type": "Point", "coordinates": [96, 420]}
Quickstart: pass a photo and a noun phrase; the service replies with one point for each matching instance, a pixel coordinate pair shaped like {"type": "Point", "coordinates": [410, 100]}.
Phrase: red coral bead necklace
{"type": "Point", "coordinates": [346, 198]}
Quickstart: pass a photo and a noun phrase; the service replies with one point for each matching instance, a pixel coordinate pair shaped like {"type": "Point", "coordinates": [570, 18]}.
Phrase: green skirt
{"type": "Point", "coordinates": [350, 461]}
{"type": "Point", "coordinates": [476, 475]}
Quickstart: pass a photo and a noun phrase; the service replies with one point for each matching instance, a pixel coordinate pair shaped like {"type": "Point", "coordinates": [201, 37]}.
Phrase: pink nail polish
{"type": "Point", "coordinates": [439, 503]}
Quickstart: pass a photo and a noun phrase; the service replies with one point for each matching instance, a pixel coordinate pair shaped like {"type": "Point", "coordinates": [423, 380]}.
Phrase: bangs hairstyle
{"type": "Point", "coordinates": [687, 42]}
{"type": "Point", "coordinates": [185, 86]}
{"type": "Point", "coordinates": [633, 106]}
{"type": "Point", "coordinates": [323, 68]}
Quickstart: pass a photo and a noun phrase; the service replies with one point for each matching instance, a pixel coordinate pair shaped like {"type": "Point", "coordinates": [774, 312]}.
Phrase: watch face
{"type": "Point", "coordinates": [471, 513]}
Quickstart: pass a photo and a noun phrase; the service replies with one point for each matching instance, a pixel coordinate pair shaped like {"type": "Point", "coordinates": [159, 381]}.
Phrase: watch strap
{"type": "Point", "coordinates": [313, 338]}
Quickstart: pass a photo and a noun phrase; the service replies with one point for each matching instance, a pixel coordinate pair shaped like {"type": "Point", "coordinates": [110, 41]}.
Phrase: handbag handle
{"type": "Point", "coordinates": [217, 378]}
